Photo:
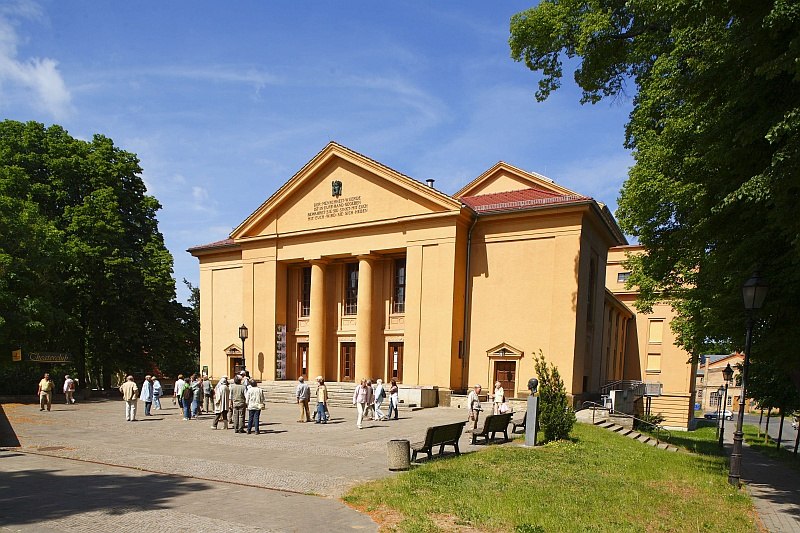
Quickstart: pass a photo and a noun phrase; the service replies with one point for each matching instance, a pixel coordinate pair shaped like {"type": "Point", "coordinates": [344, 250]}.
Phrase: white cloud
{"type": "Point", "coordinates": [37, 75]}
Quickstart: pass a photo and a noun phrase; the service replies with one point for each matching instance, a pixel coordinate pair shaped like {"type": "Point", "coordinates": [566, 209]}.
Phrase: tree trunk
{"type": "Point", "coordinates": [760, 418]}
{"type": "Point", "coordinates": [766, 429]}
{"type": "Point", "coordinates": [797, 440]}
{"type": "Point", "coordinates": [780, 430]}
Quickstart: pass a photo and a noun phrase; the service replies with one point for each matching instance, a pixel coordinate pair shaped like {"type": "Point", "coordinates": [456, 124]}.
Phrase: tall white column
{"type": "Point", "coordinates": [316, 326]}
{"type": "Point", "coordinates": [364, 319]}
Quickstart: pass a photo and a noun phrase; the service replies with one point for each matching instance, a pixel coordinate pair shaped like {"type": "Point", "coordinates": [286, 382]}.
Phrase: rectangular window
{"type": "Point", "coordinates": [348, 361]}
{"type": "Point", "coordinates": [656, 333]}
{"type": "Point", "coordinates": [713, 399]}
{"type": "Point", "coordinates": [623, 277]}
{"type": "Point", "coordinates": [654, 362]}
{"type": "Point", "coordinates": [305, 292]}
{"type": "Point", "coordinates": [399, 296]}
{"type": "Point", "coordinates": [730, 401]}
{"type": "Point", "coordinates": [592, 289]}
{"type": "Point", "coordinates": [351, 289]}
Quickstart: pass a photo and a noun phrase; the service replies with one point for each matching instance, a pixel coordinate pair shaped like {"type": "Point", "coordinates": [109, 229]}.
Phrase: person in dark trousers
{"type": "Point", "coordinates": [239, 401]}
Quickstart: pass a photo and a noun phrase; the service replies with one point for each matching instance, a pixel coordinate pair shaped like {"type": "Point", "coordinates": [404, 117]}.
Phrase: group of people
{"type": "Point", "coordinates": [232, 400]}
{"type": "Point", "coordinates": [499, 405]}
{"type": "Point", "coordinates": [369, 401]}
{"type": "Point", "coordinates": [47, 388]}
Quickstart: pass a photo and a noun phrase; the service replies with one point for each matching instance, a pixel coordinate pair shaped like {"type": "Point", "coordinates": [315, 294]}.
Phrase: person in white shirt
{"type": "Point", "coordinates": [176, 392]}
{"type": "Point", "coordinates": [157, 391]}
{"type": "Point", "coordinates": [380, 395]}
{"type": "Point", "coordinates": [69, 389]}
{"type": "Point", "coordinates": [499, 397]}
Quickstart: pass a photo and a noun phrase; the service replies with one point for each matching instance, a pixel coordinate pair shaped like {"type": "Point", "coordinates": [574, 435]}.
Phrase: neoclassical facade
{"type": "Point", "coordinates": [352, 269]}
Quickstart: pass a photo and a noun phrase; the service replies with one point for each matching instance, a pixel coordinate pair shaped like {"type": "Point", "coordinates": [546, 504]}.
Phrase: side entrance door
{"type": "Point", "coordinates": [347, 361]}
{"type": "Point", "coordinates": [302, 360]}
{"type": "Point", "coordinates": [506, 373]}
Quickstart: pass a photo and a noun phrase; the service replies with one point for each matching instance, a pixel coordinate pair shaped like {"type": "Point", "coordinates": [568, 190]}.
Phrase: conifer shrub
{"type": "Point", "coordinates": [556, 417]}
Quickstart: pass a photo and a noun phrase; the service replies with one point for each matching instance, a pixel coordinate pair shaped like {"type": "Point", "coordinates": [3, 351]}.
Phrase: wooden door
{"type": "Point", "coordinates": [235, 366]}
{"type": "Point", "coordinates": [506, 373]}
{"type": "Point", "coordinates": [348, 361]}
{"type": "Point", "coordinates": [302, 359]}
{"type": "Point", "coordinates": [395, 361]}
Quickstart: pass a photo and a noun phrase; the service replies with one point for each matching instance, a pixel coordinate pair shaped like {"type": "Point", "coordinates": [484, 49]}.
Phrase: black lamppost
{"type": "Point", "coordinates": [727, 374]}
{"type": "Point", "coordinates": [754, 291]}
{"type": "Point", "coordinates": [243, 336]}
{"type": "Point", "coordinates": [720, 392]}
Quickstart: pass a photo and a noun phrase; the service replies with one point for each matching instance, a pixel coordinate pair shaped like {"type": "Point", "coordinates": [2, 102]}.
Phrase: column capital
{"type": "Point", "coordinates": [319, 262]}
{"type": "Point", "coordinates": [367, 257]}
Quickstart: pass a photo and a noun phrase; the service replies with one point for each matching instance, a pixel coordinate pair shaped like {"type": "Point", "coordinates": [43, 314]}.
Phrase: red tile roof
{"type": "Point", "coordinates": [218, 244]}
{"type": "Point", "coordinates": [518, 200]}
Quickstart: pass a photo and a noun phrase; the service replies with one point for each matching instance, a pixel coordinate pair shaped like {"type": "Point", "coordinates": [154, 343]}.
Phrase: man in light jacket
{"type": "Point", "coordinates": [129, 391]}
{"type": "Point", "coordinates": [303, 395]}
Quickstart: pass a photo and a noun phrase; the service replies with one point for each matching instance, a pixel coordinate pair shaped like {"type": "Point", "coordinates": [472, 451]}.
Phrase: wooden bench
{"type": "Point", "coordinates": [441, 436]}
{"type": "Point", "coordinates": [493, 424]}
{"type": "Point", "coordinates": [519, 423]}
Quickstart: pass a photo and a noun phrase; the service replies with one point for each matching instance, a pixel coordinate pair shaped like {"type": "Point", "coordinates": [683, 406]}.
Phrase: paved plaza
{"type": "Point", "coordinates": [84, 466]}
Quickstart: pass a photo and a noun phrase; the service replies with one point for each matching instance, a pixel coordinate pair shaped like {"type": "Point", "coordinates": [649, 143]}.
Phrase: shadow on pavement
{"type": "Point", "coordinates": [32, 496]}
{"type": "Point", "coordinates": [7, 435]}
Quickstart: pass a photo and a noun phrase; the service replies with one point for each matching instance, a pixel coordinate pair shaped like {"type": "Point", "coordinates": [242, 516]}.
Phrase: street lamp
{"type": "Point", "coordinates": [754, 291]}
{"type": "Point", "coordinates": [243, 336]}
{"type": "Point", "coordinates": [720, 392]}
{"type": "Point", "coordinates": [727, 375]}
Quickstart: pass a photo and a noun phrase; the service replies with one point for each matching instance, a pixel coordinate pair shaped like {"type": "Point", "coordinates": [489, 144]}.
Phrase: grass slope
{"type": "Point", "coordinates": [598, 481]}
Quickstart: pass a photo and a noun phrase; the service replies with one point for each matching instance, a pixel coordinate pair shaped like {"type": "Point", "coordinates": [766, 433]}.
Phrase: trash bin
{"type": "Point", "coordinates": [399, 454]}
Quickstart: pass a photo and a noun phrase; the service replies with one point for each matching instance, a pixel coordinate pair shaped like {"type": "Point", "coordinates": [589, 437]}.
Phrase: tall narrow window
{"type": "Point", "coordinates": [351, 289]}
{"type": "Point", "coordinates": [656, 333]}
{"type": "Point", "coordinates": [305, 292]}
{"type": "Point", "coordinates": [592, 289]}
{"type": "Point", "coordinates": [399, 297]}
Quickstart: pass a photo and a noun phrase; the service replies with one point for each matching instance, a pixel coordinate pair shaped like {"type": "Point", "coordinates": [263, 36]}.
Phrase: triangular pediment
{"type": "Point", "coordinates": [504, 350]}
{"type": "Point", "coordinates": [340, 187]}
{"type": "Point", "coordinates": [233, 350]}
{"type": "Point", "coordinates": [503, 177]}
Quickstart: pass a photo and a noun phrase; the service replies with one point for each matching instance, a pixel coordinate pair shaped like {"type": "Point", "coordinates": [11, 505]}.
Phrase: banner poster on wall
{"type": "Point", "coordinates": [280, 351]}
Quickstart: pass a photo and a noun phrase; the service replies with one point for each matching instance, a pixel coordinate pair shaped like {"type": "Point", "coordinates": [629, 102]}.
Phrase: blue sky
{"type": "Point", "coordinates": [225, 101]}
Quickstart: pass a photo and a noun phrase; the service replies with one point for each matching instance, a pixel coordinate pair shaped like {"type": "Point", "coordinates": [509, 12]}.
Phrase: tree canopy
{"type": "Point", "coordinates": [83, 266]}
{"type": "Point", "coordinates": [715, 134]}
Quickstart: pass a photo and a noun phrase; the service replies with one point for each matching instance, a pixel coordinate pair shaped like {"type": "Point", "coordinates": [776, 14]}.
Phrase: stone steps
{"type": "Point", "coordinates": [339, 394]}
{"type": "Point", "coordinates": [633, 434]}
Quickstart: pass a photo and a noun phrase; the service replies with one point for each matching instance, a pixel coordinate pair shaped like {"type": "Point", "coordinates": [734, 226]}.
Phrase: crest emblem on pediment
{"type": "Point", "coordinates": [336, 188]}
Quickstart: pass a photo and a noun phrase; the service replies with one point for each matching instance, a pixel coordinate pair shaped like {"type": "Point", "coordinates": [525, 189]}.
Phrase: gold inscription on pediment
{"type": "Point", "coordinates": [339, 207]}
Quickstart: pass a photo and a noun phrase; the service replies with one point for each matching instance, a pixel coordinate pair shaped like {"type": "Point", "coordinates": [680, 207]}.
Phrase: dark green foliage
{"type": "Point", "coordinates": [83, 266]}
{"type": "Point", "coordinates": [556, 417]}
{"type": "Point", "coordinates": [715, 133]}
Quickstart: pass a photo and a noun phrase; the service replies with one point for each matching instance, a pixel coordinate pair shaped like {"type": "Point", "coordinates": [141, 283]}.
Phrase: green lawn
{"type": "Point", "coordinates": [598, 481]}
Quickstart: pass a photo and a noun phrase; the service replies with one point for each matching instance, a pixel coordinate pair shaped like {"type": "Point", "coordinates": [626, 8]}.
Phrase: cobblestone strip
{"type": "Point", "coordinates": [136, 520]}
{"type": "Point", "coordinates": [206, 469]}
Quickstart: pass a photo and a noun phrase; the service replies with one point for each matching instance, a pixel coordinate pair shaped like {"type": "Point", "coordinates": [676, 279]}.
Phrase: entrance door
{"type": "Point", "coordinates": [506, 373]}
{"type": "Point", "coordinates": [395, 362]}
{"type": "Point", "coordinates": [348, 361]}
{"type": "Point", "coordinates": [302, 359]}
{"type": "Point", "coordinates": [235, 364]}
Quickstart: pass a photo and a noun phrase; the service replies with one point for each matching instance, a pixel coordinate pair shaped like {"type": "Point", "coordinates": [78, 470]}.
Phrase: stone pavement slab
{"type": "Point", "coordinates": [44, 493]}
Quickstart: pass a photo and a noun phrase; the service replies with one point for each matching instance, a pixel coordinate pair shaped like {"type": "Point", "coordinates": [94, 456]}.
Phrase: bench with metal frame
{"type": "Point", "coordinates": [444, 435]}
{"type": "Point", "coordinates": [493, 424]}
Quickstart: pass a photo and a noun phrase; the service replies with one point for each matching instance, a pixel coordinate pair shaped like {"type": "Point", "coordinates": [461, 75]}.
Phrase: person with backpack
{"type": "Point", "coordinates": [185, 398]}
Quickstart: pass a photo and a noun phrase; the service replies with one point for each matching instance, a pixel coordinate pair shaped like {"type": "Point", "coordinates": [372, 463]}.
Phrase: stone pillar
{"type": "Point", "coordinates": [364, 319]}
{"type": "Point", "coordinates": [316, 326]}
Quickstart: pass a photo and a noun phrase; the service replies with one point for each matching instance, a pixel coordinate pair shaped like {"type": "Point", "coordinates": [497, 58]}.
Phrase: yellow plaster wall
{"type": "Point", "coordinates": [226, 316]}
{"type": "Point", "coordinates": [502, 181]}
{"type": "Point", "coordinates": [524, 290]}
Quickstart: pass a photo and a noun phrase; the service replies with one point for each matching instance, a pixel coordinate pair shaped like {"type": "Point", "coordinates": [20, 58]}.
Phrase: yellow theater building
{"type": "Point", "coordinates": [353, 270]}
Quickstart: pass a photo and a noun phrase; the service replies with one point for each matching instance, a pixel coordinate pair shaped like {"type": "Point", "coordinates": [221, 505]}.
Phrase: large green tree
{"type": "Point", "coordinates": [715, 133]}
{"type": "Point", "coordinates": [84, 266]}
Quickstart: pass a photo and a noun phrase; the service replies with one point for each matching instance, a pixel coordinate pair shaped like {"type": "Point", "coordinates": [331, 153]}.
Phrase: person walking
{"type": "Point", "coordinates": [157, 393]}
{"type": "Point", "coordinates": [360, 398]}
{"type": "Point", "coordinates": [322, 399]}
{"type": "Point", "coordinates": [303, 395]}
{"type": "Point", "coordinates": [380, 395]}
{"type": "Point", "coordinates": [221, 401]}
{"type": "Point", "coordinates": [208, 395]}
{"type": "Point", "coordinates": [474, 405]}
{"type": "Point", "coordinates": [499, 398]}
{"type": "Point", "coordinates": [255, 404]}
{"type": "Point", "coordinates": [147, 395]}
{"type": "Point", "coordinates": [185, 396]}
{"type": "Point", "coordinates": [369, 412]}
{"type": "Point", "coordinates": [197, 396]}
{"type": "Point", "coordinates": [69, 389]}
{"type": "Point", "coordinates": [176, 391]}
{"type": "Point", "coordinates": [394, 399]}
{"type": "Point", "coordinates": [239, 401]}
{"type": "Point", "coordinates": [129, 390]}
{"type": "Point", "coordinates": [45, 392]}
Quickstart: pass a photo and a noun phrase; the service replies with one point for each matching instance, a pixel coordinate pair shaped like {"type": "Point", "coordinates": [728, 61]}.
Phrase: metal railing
{"type": "Point", "coordinates": [637, 387]}
{"type": "Point", "coordinates": [659, 431]}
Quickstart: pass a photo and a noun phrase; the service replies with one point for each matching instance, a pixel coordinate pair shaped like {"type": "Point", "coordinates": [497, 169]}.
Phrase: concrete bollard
{"type": "Point", "coordinates": [399, 455]}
